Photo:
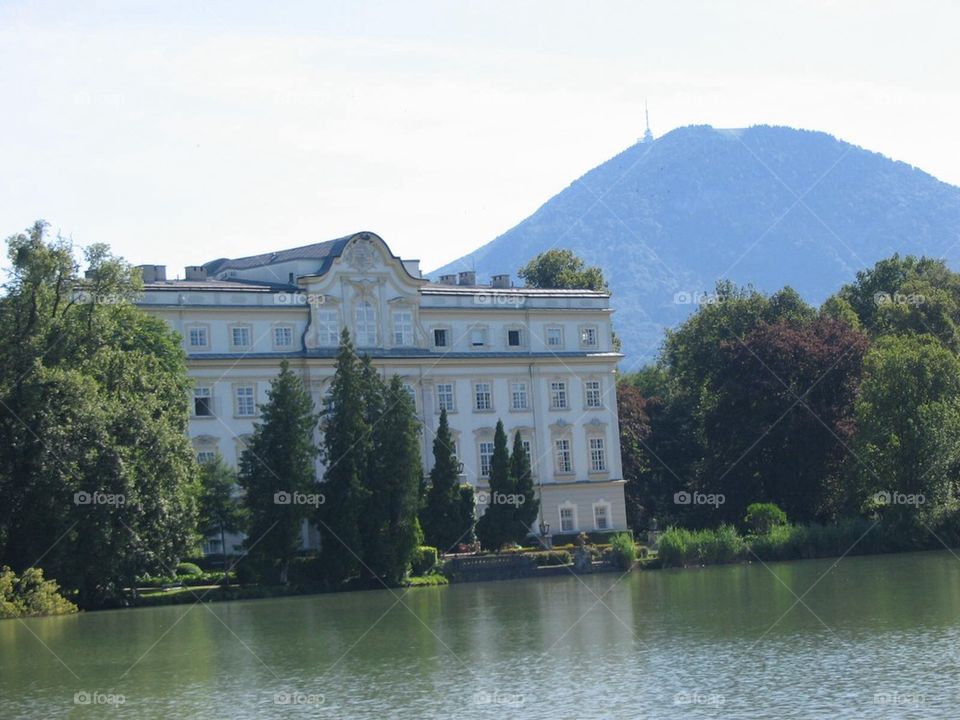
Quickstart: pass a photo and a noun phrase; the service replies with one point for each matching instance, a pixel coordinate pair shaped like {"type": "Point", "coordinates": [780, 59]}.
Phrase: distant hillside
{"type": "Point", "coordinates": [770, 206]}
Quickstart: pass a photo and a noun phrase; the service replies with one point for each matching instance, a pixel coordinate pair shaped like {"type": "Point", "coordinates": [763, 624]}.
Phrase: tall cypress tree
{"type": "Point", "coordinates": [528, 505]}
{"type": "Point", "coordinates": [346, 453]}
{"type": "Point", "coordinates": [277, 472]}
{"type": "Point", "coordinates": [444, 520]}
{"type": "Point", "coordinates": [496, 526]}
{"type": "Point", "coordinates": [394, 487]}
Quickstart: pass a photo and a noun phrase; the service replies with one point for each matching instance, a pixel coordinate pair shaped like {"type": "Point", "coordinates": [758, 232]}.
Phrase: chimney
{"type": "Point", "coordinates": [196, 272]}
{"type": "Point", "coordinates": [468, 277]}
{"type": "Point", "coordinates": [448, 279]}
{"type": "Point", "coordinates": [153, 273]}
{"type": "Point", "coordinates": [501, 281]}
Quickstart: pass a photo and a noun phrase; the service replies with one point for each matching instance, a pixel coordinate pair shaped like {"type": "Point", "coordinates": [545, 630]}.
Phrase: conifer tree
{"type": "Point", "coordinates": [444, 521]}
{"type": "Point", "coordinates": [393, 482]}
{"type": "Point", "coordinates": [527, 503]}
{"type": "Point", "coordinates": [346, 453]}
{"type": "Point", "coordinates": [277, 471]}
{"type": "Point", "coordinates": [496, 526]}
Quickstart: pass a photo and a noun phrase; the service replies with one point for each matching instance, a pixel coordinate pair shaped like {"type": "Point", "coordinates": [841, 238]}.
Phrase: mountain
{"type": "Point", "coordinates": [770, 206]}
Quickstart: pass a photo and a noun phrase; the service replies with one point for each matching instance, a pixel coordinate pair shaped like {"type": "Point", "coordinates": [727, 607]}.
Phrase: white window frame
{"type": "Point", "coordinates": [328, 327]}
{"type": "Point", "coordinates": [402, 328]}
{"type": "Point", "coordinates": [450, 403]}
{"type": "Point", "coordinates": [231, 336]}
{"type": "Point", "coordinates": [237, 402]}
{"type": "Point", "coordinates": [585, 330]}
{"type": "Point", "coordinates": [587, 391]}
{"type": "Point", "coordinates": [203, 391]}
{"type": "Point", "coordinates": [484, 466]}
{"type": "Point", "coordinates": [447, 336]}
{"type": "Point", "coordinates": [479, 332]}
{"type": "Point", "coordinates": [489, 395]}
{"type": "Point", "coordinates": [412, 393]}
{"type": "Point", "coordinates": [575, 525]}
{"type": "Point", "coordinates": [514, 394]}
{"type": "Point", "coordinates": [597, 452]}
{"type": "Point", "coordinates": [566, 452]}
{"type": "Point", "coordinates": [205, 329]}
{"type": "Point", "coordinates": [608, 510]}
{"type": "Point", "coordinates": [559, 394]}
{"type": "Point", "coordinates": [548, 331]}
{"type": "Point", "coordinates": [286, 328]}
{"type": "Point", "coordinates": [366, 324]}
{"type": "Point", "coordinates": [202, 454]}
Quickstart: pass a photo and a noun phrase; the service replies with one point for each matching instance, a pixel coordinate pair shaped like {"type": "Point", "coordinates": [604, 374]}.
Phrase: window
{"type": "Point", "coordinates": [482, 396]}
{"type": "Point", "coordinates": [598, 455]}
{"type": "Point", "coordinates": [554, 337]}
{"type": "Point", "coordinates": [593, 397]}
{"type": "Point", "coordinates": [202, 402]}
{"type": "Point", "coordinates": [205, 456]}
{"type": "Point", "coordinates": [563, 460]}
{"type": "Point", "coordinates": [240, 336]}
{"type": "Point", "coordinates": [366, 325]}
{"type": "Point", "coordinates": [568, 519]}
{"type": "Point", "coordinates": [327, 402]}
{"type": "Point", "coordinates": [478, 337]}
{"type": "Point", "coordinates": [198, 337]}
{"type": "Point", "coordinates": [403, 328]}
{"type": "Point", "coordinates": [558, 395]}
{"type": "Point", "coordinates": [601, 516]}
{"type": "Point", "coordinates": [246, 403]}
{"type": "Point", "coordinates": [526, 449]}
{"type": "Point", "coordinates": [440, 337]}
{"type": "Point", "coordinates": [588, 336]}
{"type": "Point", "coordinates": [283, 336]}
{"type": "Point", "coordinates": [445, 397]}
{"type": "Point", "coordinates": [519, 398]}
{"type": "Point", "coordinates": [486, 458]}
{"type": "Point", "coordinates": [513, 338]}
{"type": "Point", "coordinates": [328, 327]}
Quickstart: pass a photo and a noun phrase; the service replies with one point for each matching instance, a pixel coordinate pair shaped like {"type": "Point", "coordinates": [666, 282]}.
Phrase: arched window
{"type": "Point", "coordinates": [366, 325]}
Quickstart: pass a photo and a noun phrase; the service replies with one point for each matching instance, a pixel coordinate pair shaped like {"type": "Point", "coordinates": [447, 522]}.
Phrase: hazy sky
{"type": "Point", "coordinates": [179, 132]}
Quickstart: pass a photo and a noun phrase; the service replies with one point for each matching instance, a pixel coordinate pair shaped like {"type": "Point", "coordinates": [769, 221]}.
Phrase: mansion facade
{"type": "Point", "coordinates": [542, 361]}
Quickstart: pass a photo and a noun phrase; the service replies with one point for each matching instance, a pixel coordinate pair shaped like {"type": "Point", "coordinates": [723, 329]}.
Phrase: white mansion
{"type": "Point", "coordinates": [540, 360]}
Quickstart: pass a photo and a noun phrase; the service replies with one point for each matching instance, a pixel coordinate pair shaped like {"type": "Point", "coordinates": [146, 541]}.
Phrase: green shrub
{"type": "Point", "coordinates": [623, 550]}
{"type": "Point", "coordinates": [550, 558]}
{"type": "Point", "coordinates": [425, 558]}
{"type": "Point", "coordinates": [723, 545]}
{"type": "Point", "coordinates": [763, 517]}
{"type": "Point", "coordinates": [676, 547]}
{"type": "Point", "coordinates": [31, 595]}
{"type": "Point", "coordinates": [188, 568]}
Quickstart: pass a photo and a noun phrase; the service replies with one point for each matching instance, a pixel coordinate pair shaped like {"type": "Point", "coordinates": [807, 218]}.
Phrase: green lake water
{"type": "Point", "coordinates": [871, 637]}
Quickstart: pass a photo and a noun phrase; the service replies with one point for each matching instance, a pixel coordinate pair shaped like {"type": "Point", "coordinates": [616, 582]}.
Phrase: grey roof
{"type": "Point", "coordinates": [228, 285]}
{"type": "Point", "coordinates": [441, 289]}
{"type": "Point", "coordinates": [314, 251]}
